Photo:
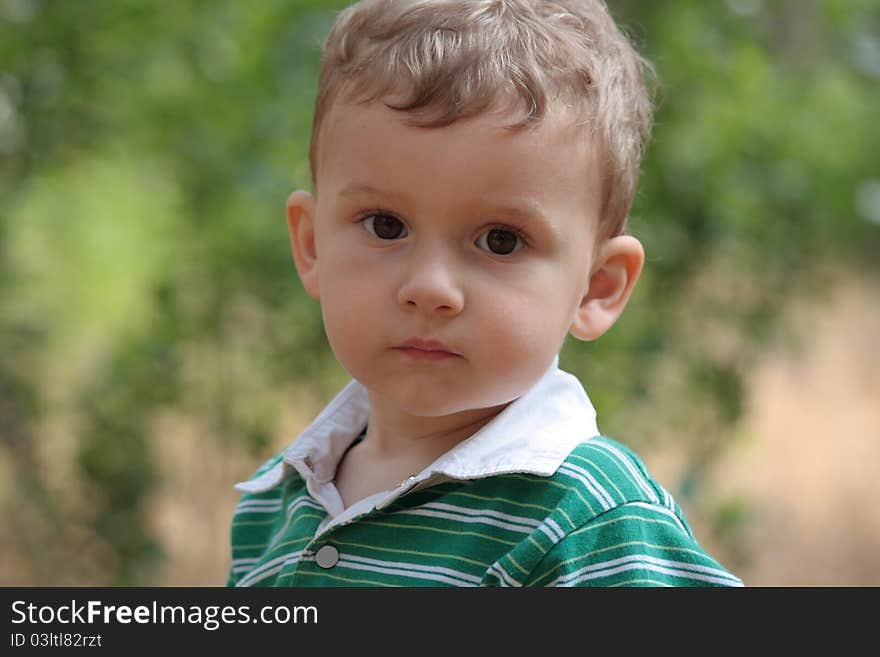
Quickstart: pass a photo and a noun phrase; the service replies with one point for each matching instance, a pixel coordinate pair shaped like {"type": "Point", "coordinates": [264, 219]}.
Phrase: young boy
{"type": "Point", "coordinates": [473, 165]}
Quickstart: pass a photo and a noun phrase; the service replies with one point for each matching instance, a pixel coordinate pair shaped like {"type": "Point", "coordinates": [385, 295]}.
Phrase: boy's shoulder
{"type": "Point", "coordinates": [613, 470]}
{"type": "Point", "coordinates": [599, 475]}
{"type": "Point", "coordinates": [615, 475]}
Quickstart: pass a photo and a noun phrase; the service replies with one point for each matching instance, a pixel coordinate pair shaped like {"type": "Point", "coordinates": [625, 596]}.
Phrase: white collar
{"type": "Point", "coordinates": [534, 434]}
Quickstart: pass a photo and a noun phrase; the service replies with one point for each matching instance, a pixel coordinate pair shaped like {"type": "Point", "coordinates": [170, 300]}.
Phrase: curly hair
{"type": "Point", "coordinates": [441, 61]}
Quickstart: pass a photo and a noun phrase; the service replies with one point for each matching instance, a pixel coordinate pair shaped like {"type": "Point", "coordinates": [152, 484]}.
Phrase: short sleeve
{"type": "Point", "coordinates": [634, 544]}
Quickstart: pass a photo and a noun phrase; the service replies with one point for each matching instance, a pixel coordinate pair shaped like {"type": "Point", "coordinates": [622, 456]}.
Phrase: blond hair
{"type": "Point", "coordinates": [445, 60]}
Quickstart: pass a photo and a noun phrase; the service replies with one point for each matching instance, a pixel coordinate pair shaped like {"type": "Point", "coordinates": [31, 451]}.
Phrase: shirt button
{"type": "Point", "coordinates": [327, 556]}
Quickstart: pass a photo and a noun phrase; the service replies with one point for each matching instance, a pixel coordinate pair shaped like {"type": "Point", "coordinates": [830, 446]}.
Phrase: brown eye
{"type": "Point", "coordinates": [500, 241]}
{"type": "Point", "coordinates": [384, 226]}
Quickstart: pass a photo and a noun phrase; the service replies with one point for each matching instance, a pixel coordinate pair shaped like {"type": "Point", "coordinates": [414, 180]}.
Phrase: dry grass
{"type": "Point", "coordinates": [811, 458]}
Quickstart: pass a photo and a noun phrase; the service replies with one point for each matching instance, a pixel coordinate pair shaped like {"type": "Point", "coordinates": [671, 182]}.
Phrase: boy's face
{"type": "Point", "coordinates": [451, 262]}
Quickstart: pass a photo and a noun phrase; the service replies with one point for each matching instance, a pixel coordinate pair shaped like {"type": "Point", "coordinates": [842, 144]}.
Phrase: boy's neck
{"type": "Point", "coordinates": [396, 435]}
{"type": "Point", "coordinates": [399, 445]}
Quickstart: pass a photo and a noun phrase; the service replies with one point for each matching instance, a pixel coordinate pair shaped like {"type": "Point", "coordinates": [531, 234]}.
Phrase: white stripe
{"type": "Point", "coordinates": [553, 524]}
{"type": "Point", "coordinates": [651, 563]}
{"type": "Point", "coordinates": [268, 573]}
{"type": "Point", "coordinates": [522, 520]}
{"type": "Point", "coordinates": [460, 518]}
{"type": "Point", "coordinates": [395, 571]}
{"type": "Point", "coordinates": [503, 575]}
{"type": "Point", "coordinates": [241, 569]}
{"type": "Point", "coordinates": [652, 567]}
{"type": "Point", "coordinates": [670, 501]}
{"type": "Point", "coordinates": [244, 564]}
{"type": "Point", "coordinates": [682, 565]}
{"type": "Point", "coordinates": [302, 501]}
{"type": "Point", "coordinates": [270, 568]}
{"type": "Point", "coordinates": [412, 566]}
{"type": "Point", "coordinates": [246, 502]}
{"type": "Point", "coordinates": [548, 532]}
{"type": "Point", "coordinates": [592, 480]}
{"type": "Point", "coordinates": [587, 480]}
{"type": "Point", "coordinates": [253, 507]}
{"type": "Point", "coordinates": [632, 470]}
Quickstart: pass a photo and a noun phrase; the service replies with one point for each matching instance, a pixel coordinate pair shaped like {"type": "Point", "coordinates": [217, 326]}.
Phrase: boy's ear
{"type": "Point", "coordinates": [615, 272]}
{"type": "Point", "coordinates": [301, 226]}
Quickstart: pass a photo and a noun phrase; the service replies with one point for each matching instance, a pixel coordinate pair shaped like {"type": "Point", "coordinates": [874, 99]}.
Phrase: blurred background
{"type": "Point", "coordinates": [156, 345]}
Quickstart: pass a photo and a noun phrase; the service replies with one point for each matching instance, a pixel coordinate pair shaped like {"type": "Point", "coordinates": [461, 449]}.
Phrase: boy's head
{"type": "Point", "coordinates": [473, 162]}
{"type": "Point", "coordinates": [440, 61]}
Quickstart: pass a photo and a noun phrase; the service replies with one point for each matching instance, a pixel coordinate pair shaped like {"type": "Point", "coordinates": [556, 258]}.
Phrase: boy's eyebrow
{"type": "Point", "coordinates": [530, 213]}
{"type": "Point", "coordinates": [353, 189]}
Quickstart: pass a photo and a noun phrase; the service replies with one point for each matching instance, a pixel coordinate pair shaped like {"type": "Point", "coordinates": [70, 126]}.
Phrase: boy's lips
{"type": "Point", "coordinates": [426, 349]}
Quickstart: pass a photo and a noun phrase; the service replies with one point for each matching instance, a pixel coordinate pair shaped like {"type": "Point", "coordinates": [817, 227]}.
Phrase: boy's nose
{"type": "Point", "coordinates": [430, 288]}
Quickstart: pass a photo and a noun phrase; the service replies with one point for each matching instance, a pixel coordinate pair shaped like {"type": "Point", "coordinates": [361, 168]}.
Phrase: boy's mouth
{"type": "Point", "coordinates": [426, 349]}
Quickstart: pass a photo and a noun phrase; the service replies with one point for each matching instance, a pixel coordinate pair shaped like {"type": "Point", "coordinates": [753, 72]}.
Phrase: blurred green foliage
{"type": "Point", "coordinates": [146, 150]}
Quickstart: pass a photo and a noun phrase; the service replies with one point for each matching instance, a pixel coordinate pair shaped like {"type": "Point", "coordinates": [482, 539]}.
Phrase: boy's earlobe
{"type": "Point", "coordinates": [301, 226]}
{"type": "Point", "coordinates": [615, 272]}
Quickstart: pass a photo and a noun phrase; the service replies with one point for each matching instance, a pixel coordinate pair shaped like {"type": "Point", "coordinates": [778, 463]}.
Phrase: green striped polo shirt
{"type": "Point", "coordinates": [535, 498]}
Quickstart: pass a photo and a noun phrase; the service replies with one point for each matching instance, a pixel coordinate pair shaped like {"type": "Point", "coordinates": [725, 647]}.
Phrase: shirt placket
{"type": "Point", "coordinates": [322, 554]}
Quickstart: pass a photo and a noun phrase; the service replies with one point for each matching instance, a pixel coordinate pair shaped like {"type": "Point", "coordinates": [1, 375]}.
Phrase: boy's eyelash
{"type": "Point", "coordinates": [516, 230]}
{"type": "Point", "coordinates": [373, 213]}
{"type": "Point", "coordinates": [519, 232]}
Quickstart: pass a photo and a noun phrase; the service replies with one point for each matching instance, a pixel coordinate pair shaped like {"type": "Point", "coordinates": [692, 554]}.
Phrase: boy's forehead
{"type": "Point", "coordinates": [353, 130]}
{"type": "Point", "coordinates": [541, 169]}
